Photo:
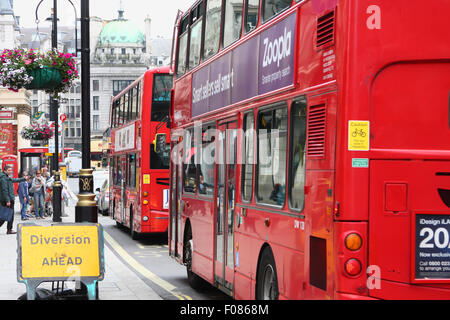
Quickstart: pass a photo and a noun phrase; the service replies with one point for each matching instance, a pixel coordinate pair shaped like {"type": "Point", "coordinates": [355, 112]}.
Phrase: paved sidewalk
{"type": "Point", "coordinates": [120, 283]}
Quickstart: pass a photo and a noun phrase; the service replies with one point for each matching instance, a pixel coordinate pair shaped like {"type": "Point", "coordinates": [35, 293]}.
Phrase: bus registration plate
{"type": "Point", "coordinates": [432, 247]}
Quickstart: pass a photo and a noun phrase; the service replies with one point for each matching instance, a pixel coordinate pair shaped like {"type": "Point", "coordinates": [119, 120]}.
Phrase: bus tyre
{"type": "Point", "coordinates": [266, 279]}
{"type": "Point", "coordinates": [118, 224]}
{"type": "Point", "coordinates": [194, 280]}
{"type": "Point", "coordinates": [134, 234]}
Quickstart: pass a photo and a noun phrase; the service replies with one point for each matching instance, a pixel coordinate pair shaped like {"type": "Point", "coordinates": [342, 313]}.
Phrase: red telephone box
{"type": "Point", "coordinates": [12, 161]}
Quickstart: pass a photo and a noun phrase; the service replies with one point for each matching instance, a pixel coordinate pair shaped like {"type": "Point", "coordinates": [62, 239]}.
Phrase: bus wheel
{"type": "Point", "coordinates": [267, 280]}
{"type": "Point", "coordinates": [134, 234]}
{"type": "Point", "coordinates": [194, 280]}
{"type": "Point", "coordinates": [118, 224]}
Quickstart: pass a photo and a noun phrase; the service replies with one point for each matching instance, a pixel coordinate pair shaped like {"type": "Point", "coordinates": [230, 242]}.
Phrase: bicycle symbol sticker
{"type": "Point", "coordinates": [358, 135]}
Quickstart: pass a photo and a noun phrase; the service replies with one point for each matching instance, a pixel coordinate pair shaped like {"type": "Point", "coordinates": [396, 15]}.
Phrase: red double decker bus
{"type": "Point", "coordinates": [311, 148]}
{"type": "Point", "coordinates": [139, 158]}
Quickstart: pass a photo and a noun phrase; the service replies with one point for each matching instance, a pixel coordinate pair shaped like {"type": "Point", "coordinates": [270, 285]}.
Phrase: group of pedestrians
{"type": "Point", "coordinates": [28, 188]}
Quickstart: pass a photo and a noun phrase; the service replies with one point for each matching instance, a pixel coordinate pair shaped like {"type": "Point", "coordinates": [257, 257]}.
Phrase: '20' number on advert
{"type": "Point", "coordinates": [439, 241]}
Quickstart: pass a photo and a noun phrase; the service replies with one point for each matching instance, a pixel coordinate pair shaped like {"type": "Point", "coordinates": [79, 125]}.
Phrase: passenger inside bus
{"type": "Point", "coordinates": [203, 186]}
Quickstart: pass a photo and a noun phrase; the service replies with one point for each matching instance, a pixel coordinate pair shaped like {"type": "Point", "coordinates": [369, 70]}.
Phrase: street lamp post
{"type": "Point", "coordinates": [86, 209]}
{"type": "Point", "coordinates": [54, 105]}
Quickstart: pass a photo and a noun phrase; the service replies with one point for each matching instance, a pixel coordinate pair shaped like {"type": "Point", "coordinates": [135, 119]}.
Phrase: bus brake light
{"type": "Point", "coordinates": [353, 267]}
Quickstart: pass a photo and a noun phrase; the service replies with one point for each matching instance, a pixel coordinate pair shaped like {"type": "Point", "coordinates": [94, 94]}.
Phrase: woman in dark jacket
{"type": "Point", "coordinates": [7, 195]}
{"type": "Point", "coordinates": [24, 196]}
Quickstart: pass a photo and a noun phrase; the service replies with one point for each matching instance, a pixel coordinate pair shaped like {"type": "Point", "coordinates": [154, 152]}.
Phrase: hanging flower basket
{"type": "Point", "coordinates": [37, 132]}
{"type": "Point", "coordinates": [53, 72]}
{"type": "Point", "coordinates": [44, 79]}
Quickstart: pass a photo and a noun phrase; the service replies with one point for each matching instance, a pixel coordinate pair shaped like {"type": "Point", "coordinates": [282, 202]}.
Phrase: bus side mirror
{"type": "Point", "coordinates": [159, 143]}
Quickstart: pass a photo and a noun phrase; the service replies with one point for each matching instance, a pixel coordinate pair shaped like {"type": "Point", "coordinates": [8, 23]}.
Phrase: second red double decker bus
{"type": "Point", "coordinates": [139, 158]}
{"type": "Point", "coordinates": [314, 146]}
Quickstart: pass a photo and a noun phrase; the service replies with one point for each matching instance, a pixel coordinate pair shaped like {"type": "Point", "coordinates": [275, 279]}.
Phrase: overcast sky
{"type": "Point", "coordinates": [162, 12]}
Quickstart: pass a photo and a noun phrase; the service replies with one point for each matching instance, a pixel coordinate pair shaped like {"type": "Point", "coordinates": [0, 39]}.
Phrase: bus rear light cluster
{"type": "Point", "coordinates": [353, 267]}
{"type": "Point", "coordinates": [145, 194]}
{"type": "Point", "coordinates": [145, 218]}
{"type": "Point", "coordinates": [353, 254]}
{"type": "Point", "coordinates": [145, 202]}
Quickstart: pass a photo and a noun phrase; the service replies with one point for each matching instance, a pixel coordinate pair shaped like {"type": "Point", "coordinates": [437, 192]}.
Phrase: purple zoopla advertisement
{"type": "Point", "coordinates": [262, 64]}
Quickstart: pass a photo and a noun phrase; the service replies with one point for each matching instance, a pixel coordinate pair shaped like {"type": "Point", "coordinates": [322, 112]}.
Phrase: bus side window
{"type": "Point", "coordinates": [195, 35]}
{"type": "Point", "coordinates": [271, 163]}
{"type": "Point", "coordinates": [251, 14]}
{"type": "Point", "coordinates": [212, 25]}
{"type": "Point", "coordinates": [125, 108]}
{"type": "Point", "coordinates": [133, 103]}
{"type": "Point", "coordinates": [182, 47]}
{"type": "Point", "coordinates": [297, 155]}
{"type": "Point", "coordinates": [207, 163]}
{"type": "Point", "coordinates": [247, 166]}
{"type": "Point", "coordinates": [189, 167]}
{"type": "Point", "coordinates": [138, 99]}
{"type": "Point", "coordinates": [273, 7]}
{"type": "Point", "coordinates": [129, 104]}
{"type": "Point", "coordinates": [232, 24]}
{"type": "Point", "coordinates": [132, 170]}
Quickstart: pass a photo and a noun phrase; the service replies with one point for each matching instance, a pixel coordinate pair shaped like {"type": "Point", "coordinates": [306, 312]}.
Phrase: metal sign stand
{"type": "Point", "coordinates": [32, 286]}
{"type": "Point", "coordinates": [90, 283]}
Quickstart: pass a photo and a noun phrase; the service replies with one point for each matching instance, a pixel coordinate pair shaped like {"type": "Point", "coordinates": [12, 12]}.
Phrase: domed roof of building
{"type": "Point", "coordinates": [121, 31]}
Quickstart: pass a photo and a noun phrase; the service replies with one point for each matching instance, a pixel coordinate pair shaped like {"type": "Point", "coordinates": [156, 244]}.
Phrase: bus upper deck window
{"type": "Point", "coordinates": [232, 22]}
{"type": "Point", "coordinates": [273, 7]}
{"type": "Point", "coordinates": [212, 25]}
{"type": "Point", "coordinates": [195, 36]}
{"type": "Point", "coordinates": [251, 14]}
{"type": "Point", "coordinates": [182, 46]}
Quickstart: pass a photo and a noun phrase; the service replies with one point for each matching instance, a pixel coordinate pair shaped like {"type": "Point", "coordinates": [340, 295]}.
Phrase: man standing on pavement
{"type": "Point", "coordinates": [24, 197]}
{"type": "Point", "coordinates": [7, 195]}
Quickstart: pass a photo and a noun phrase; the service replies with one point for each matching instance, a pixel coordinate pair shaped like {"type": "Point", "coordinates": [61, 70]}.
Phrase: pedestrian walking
{"type": "Point", "coordinates": [7, 195]}
{"type": "Point", "coordinates": [38, 189]}
{"type": "Point", "coordinates": [48, 195]}
{"type": "Point", "coordinates": [30, 206]}
{"type": "Point", "coordinates": [24, 196]}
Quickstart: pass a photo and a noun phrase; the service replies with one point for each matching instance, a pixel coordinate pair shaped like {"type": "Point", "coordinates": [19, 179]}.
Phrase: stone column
{"type": "Point", "coordinates": [23, 120]}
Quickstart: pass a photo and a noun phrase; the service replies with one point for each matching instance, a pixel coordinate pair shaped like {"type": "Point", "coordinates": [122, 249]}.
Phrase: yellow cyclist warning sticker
{"type": "Point", "coordinates": [358, 135]}
{"type": "Point", "coordinates": [146, 178]}
{"type": "Point", "coordinates": [59, 251]}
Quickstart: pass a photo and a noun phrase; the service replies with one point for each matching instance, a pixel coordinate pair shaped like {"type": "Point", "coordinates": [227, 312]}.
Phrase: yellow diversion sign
{"type": "Point", "coordinates": [60, 252]}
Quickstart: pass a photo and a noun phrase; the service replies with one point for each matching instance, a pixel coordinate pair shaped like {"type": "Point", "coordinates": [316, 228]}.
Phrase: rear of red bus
{"type": "Point", "coordinates": [392, 197]}
{"type": "Point", "coordinates": [155, 150]}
